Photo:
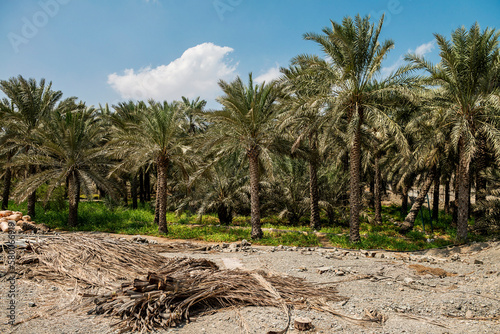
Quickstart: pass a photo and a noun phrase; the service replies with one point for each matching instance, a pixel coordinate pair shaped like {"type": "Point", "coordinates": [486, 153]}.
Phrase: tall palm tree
{"type": "Point", "coordinates": [7, 151]}
{"type": "Point", "coordinates": [66, 148]}
{"type": "Point", "coordinates": [354, 60]}
{"type": "Point", "coordinates": [303, 115]}
{"type": "Point", "coordinates": [154, 137]}
{"type": "Point", "coordinates": [468, 76]}
{"type": "Point", "coordinates": [31, 102]}
{"type": "Point", "coordinates": [246, 124]}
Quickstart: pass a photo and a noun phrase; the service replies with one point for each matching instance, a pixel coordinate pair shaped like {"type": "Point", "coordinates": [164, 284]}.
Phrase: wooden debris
{"type": "Point", "coordinates": [303, 324]}
{"type": "Point", "coordinates": [91, 260]}
{"type": "Point", "coordinates": [146, 291]}
{"type": "Point", "coordinates": [171, 295]}
{"type": "Point", "coordinates": [423, 270]}
{"type": "Point", "coordinates": [21, 223]}
{"type": "Point", "coordinates": [375, 316]}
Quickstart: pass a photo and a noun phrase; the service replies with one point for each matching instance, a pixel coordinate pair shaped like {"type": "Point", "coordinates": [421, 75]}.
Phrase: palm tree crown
{"type": "Point", "coordinates": [246, 125]}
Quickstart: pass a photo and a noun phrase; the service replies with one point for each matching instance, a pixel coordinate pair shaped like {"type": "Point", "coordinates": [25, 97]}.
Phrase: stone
{"type": "Point", "coordinates": [245, 243]}
{"type": "Point", "coordinates": [234, 245]}
{"type": "Point", "coordinates": [324, 269]}
{"type": "Point", "coordinates": [31, 304]}
{"type": "Point", "coordinates": [469, 314]}
{"type": "Point", "coordinates": [408, 280]}
{"type": "Point", "coordinates": [140, 239]}
{"type": "Point", "coordinates": [476, 261]}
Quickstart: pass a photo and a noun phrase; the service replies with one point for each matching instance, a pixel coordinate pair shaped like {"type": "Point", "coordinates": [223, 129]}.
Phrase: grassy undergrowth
{"type": "Point", "coordinates": [100, 216]}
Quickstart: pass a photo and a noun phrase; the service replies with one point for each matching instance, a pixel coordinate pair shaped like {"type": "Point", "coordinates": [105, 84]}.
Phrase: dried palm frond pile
{"type": "Point", "coordinates": [183, 286]}
{"type": "Point", "coordinates": [161, 292]}
{"type": "Point", "coordinates": [93, 260]}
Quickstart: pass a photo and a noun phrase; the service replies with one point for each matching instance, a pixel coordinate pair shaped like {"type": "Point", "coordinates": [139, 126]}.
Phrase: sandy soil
{"type": "Point", "coordinates": [450, 290]}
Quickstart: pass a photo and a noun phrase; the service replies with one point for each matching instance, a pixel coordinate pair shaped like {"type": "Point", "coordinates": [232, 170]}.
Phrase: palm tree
{"type": "Point", "coordinates": [287, 194]}
{"type": "Point", "coordinates": [192, 110]}
{"type": "Point", "coordinates": [302, 114]}
{"type": "Point", "coordinates": [246, 125]}
{"type": "Point", "coordinates": [66, 148]}
{"type": "Point", "coordinates": [355, 57]}
{"type": "Point", "coordinates": [7, 152]}
{"type": "Point", "coordinates": [152, 136]}
{"type": "Point", "coordinates": [220, 187]}
{"type": "Point", "coordinates": [489, 206]}
{"type": "Point", "coordinates": [31, 102]}
{"type": "Point", "coordinates": [467, 74]}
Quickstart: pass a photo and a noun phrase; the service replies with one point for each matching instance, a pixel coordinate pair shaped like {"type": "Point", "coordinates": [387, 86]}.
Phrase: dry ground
{"type": "Point", "coordinates": [451, 290]}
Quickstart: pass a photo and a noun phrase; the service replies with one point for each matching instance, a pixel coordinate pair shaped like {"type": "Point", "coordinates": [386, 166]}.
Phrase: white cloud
{"type": "Point", "coordinates": [195, 73]}
{"type": "Point", "coordinates": [421, 51]}
{"type": "Point", "coordinates": [269, 75]}
{"type": "Point", "coordinates": [385, 71]}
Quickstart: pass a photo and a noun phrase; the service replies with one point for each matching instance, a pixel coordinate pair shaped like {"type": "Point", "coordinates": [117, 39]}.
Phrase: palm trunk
{"type": "Point", "coordinates": [6, 188]}
{"type": "Point", "coordinates": [435, 197]}
{"type": "Point", "coordinates": [141, 186]}
{"type": "Point", "coordinates": [355, 182]}
{"type": "Point", "coordinates": [125, 193]}
{"type": "Point", "coordinates": [447, 197]}
{"type": "Point", "coordinates": [253, 157]}
{"type": "Point", "coordinates": [133, 191]}
{"type": "Point", "coordinates": [404, 200]}
{"type": "Point", "coordinates": [225, 214]}
{"type": "Point", "coordinates": [371, 204]}
{"type": "Point", "coordinates": [313, 185]}
{"type": "Point", "coordinates": [73, 199]}
{"type": "Point", "coordinates": [314, 193]}
{"type": "Point", "coordinates": [161, 194]}
{"type": "Point", "coordinates": [462, 201]}
{"type": "Point", "coordinates": [377, 195]}
{"type": "Point", "coordinates": [481, 163]}
{"type": "Point", "coordinates": [147, 186]}
{"type": "Point", "coordinates": [32, 196]}
{"type": "Point", "coordinates": [157, 209]}
{"type": "Point", "coordinates": [409, 221]}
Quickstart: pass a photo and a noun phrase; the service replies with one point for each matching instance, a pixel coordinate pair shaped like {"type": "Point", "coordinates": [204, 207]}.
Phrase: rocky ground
{"type": "Point", "coordinates": [450, 290]}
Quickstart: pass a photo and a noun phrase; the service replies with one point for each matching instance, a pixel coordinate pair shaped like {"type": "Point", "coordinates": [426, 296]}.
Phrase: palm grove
{"type": "Point", "coordinates": [311, 142]}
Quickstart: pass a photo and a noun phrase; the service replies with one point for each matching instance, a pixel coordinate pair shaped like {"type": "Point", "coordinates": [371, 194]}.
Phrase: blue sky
{"type": "Point", "coordinates": [115, 50]}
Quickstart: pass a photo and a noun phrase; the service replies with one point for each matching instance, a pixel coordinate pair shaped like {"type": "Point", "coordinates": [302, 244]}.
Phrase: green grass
{"type": "Point", "coordinates": [109, 217]}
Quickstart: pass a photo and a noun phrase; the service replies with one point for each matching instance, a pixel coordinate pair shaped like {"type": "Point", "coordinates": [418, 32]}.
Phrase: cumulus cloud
{"type": "Point", "coordinates": [421, 51]}
{"type": "Point", "coordinates": [195, 73]}
{"type": "Point", "coordinates": [269, 75]}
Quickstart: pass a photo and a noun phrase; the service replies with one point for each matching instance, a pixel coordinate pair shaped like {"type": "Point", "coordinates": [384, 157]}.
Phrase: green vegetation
{"type": "Point", "coordinates": [100, 217]}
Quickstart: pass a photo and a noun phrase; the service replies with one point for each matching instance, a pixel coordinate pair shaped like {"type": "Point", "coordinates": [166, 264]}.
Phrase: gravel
{"type": "Point", "coordinates": [467, 300]}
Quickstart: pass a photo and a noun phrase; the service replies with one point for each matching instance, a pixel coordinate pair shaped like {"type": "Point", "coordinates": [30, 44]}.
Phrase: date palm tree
{"type": "Point", "coordinates": [31, 102]}
{"type": "Point", "coordinates": [354, 58]}
{"type": "Point", "coordinates": [153, 135]}
{"type": "Point", "coordinates": [302, 114]}
{"type": "Point", "coordinates": [192, 109]}
{"type": "Point", "coordinates": [66, 148]}
{"type": "Point", "coordinates": [221, 186]}
{"type": "Point", "coordinates": [468, 78]}
{"type": "Point", "coordinates": [246, 124]}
